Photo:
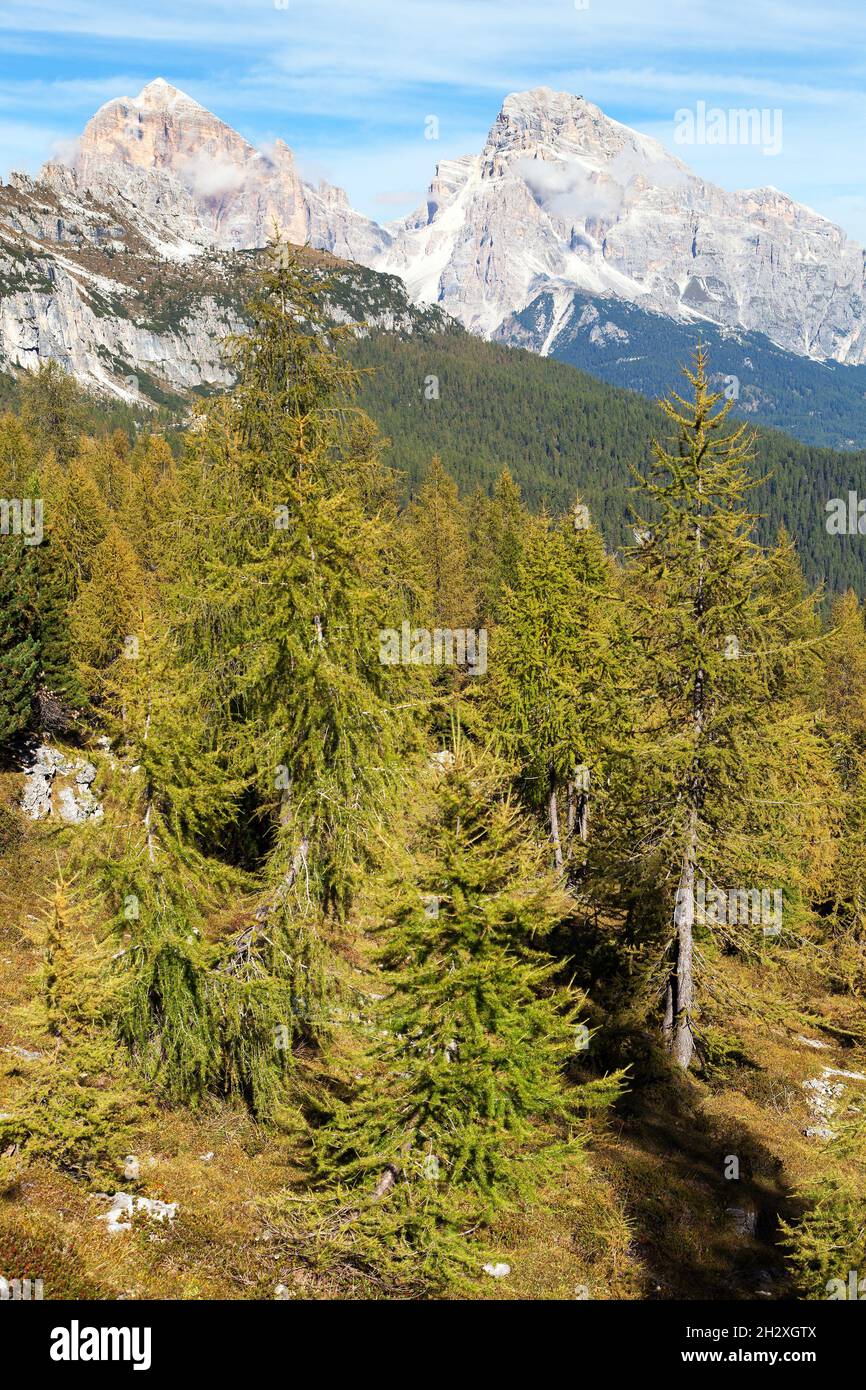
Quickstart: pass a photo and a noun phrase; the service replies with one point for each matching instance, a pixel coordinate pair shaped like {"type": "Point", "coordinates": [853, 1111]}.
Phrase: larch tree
{"type": "Point", "coordinates": [19, 646]}
{"type": "Point", "coordinates": [440, 536]}
{"type": "Point", "coordinates": [278, 580]}
{"type": "Point", "coordinates": [464, 1105]}
{"type": "Point", "coordinates": [729, 770]}
{"type": "Point", "coordinates": [551, 698]}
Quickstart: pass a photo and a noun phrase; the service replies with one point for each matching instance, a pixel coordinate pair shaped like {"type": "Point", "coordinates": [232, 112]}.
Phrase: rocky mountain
{"type": "Point", "coordinates": [133, 306]}
{"type": "Point", "coordinates": [619, 342]}
{"type": "Point", "coordinates": [192, 175]}
{"type": "Point", "coordinates": [569, 234]}
{"type": "Point", "coordinates": [564, 200]}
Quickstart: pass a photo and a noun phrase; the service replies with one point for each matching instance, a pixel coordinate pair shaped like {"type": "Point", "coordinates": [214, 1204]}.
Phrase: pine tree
{"type": "Point", "coordinates": [463, 1107]}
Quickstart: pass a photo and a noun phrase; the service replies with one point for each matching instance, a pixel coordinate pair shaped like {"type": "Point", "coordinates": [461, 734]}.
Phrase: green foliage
{"type": "Point", "coordinates": [438, 529]}
{"type": "Point", "coordinates": [462, 1109]}
{"type": "Point", "coordinates": [673, 714]}
{"type": "Point", "coordinates": [552, 701]}
{"type": "Point", "coordinates": [19, 649]}
{"type": "Point", "coordinates": [725, 724]}
{"type": "Point", "coordinates": [829, 1241]}
{"type": "Point", "coordinates": [52, 410]}
{"type": "Point", "coordinates": [74, 1103]}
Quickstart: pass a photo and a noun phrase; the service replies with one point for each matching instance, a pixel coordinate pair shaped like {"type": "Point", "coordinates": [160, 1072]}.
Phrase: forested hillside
{"type": "Point", "coordinates": [558, 430]}
{"type": "Point", "coordinates": [482, 407]}
{"type": "Point", "coordinates": [818, 402]}
{"type": "Point", "coordinates": [410, 900]}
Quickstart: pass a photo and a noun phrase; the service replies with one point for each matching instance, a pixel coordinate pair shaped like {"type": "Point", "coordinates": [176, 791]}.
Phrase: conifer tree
{"type": "Point", "coordinates": [440, 535]}
{"type": "Point", "coordinates": [108, 610]}
{"type": "Point", "coordinates": [18, 457]}
{"type": "Point", "coordinates": [146, 514]}
{"type": "Point", "coordinates": [293, 584]}
{"type": "Point", "coordinates": [463, 1107]}
{"type": "Point", "coordinates": [51, 410]}
{"type": "Point", "coordinates": [81, 519]}
{"type": "Point", "coordinates": [497, 524]}
{"type": "Point", "coordinates": [845, 700]}
{"type": "Point", "coordinates": [552, 695]}
{"type": "Point", "coordinates": [798, 664]}
{"type": "Point", "coordinates": [19, 648]}
{"type": "Point", "coordinates": [718, 744]}
{"type": "Point", "coordinates": [277, 579]}
{"type": "Point", "coordinates": [75, 1105]}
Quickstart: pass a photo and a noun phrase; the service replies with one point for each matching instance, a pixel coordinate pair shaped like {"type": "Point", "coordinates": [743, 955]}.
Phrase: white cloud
{"type": "Point", "coordinates": [569, 190]}
{"type": "Point", "coordinates": [211, 178]}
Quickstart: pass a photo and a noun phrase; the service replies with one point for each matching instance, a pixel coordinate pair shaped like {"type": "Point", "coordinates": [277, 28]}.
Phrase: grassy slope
{"type": "Point", "coordinates": [648, 1220]}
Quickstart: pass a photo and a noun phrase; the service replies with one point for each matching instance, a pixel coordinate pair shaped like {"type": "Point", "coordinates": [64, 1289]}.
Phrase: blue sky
{"type": "Point", "coordinates": [349, 83]}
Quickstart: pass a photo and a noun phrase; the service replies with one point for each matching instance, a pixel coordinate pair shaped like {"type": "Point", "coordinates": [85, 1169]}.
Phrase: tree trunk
{"type": "Point", "coordinates": [681, 985]}
{"type": "Point", "coordinates": [583, 816]}
{"type": "Point", "coordinates": [554, 822]}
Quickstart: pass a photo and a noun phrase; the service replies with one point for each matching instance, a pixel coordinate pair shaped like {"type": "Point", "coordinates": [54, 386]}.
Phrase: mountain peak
{"type": "Point", "coordinates": [564, 125]}
{"type": "Point", "coordinates": [161, 95]}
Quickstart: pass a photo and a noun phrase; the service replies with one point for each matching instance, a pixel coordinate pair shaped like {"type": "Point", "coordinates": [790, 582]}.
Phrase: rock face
{"type": "Point", "coordinates": [60, 788]}
{"type": "Point", "coordinates": [116, 282]}
{"type": "Point", "coordinates": [563, 199]}
{"type": "Point", "coordinates": [219, 190]}
{"type": "Point", "coordinates": [131, 264]}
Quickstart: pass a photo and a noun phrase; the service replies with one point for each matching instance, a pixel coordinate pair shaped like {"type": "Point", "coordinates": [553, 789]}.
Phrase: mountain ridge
{"type": "Point", "coordinates": [158, 189]}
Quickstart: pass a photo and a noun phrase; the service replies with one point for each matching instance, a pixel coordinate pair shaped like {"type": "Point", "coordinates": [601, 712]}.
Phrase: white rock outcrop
{"type": "Point", "coordinates": [824, 1095]}
{"type": "Point", "coordinates": [125, 1207]}
{"type": "Point", "coordinates": [58, 787]}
